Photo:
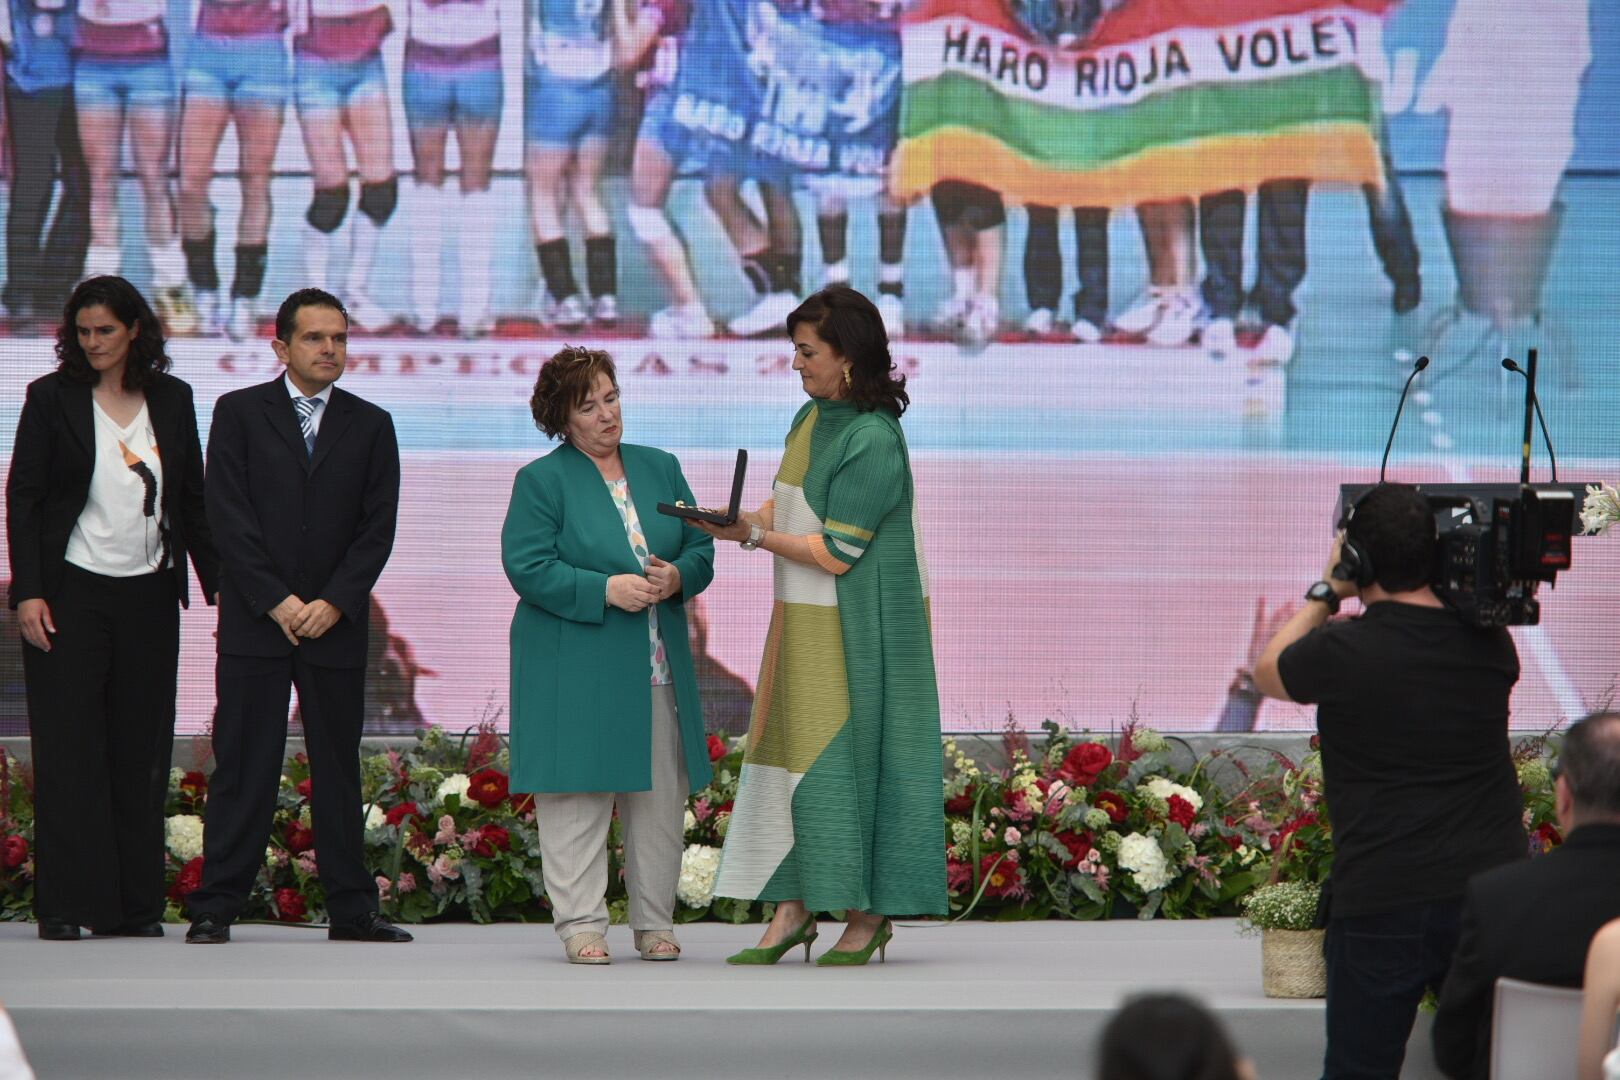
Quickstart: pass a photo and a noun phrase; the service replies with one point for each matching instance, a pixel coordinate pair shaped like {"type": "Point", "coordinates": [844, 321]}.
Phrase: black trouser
{"type": "Point", "coordinates": [1378, 967]}
{"type": "Point", "coordinates": [41, 270]}
{"type": "Point", "coordinates": [1281, 250]}
{"type": "Point", "coordinates": [1043, 261]}
{"type": "Point", "coordinates": [101, 714]}
{"type": "Point", "coordinates": [1390, 223]}
{"type": "Point", "coordinates": [250, 741]}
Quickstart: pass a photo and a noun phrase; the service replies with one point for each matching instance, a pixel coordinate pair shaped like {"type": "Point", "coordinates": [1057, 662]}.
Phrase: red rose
{"type": "Point", "coordinates": [187, 881]}
{"type": "Point", "coordinates": [1112, 804]}
{"type": "Point", "coordinates": [488, 788]}
{"type": "Point", "coordinates": [193, 787]}
{"type": "Point", "coordinates": [13, 852]}
{"type": "Point", "coordinates": [1545, 838]}
{"type": "Point", "coordinates": [303, 787]}
{"type": "Point", "coordinates": [522, 804]}
{"type": "Point", "coordinates": [1084, 763]}
{"type": "Point", "coordinates": [492, 839]}
{"type": "Point", "coordinates": [961, 804]}
{"type": "Point", "coordinates": [1078, 844]}
{"type": "Point", "coordinates": [1182, 812]}
{"type": "Point", "coordinates": [723, 808]}
{"type": "Point", "coordinates": [290, 905]}
{"type": "Point", "coordinates": [717, 748]}
{"type": "Point", "coordinates": [1007, 877]}
{"type": "Point", "coordinates": [1233, 842]}
{"type": "Point", "coordinates": [300, 838]}
{"type": "Point", "coordinates": [399, 813]}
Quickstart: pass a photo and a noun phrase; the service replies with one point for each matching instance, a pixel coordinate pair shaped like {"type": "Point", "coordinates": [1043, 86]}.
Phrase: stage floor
{"type": "Point", "coordinates": [969, 1000]}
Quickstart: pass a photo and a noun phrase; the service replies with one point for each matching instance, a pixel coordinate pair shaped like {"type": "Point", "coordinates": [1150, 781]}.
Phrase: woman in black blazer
{"type": "Point", "coordinates": [103, 504]}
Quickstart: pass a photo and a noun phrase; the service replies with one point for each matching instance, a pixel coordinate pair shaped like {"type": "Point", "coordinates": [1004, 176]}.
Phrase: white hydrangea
{"type": "Point", "coordinates": [1161, 788]}
{"type": "Point", "coordinates": [690, 822]}
{"type": "Point", "coordinates": [1145, 859]}
{"type": "Point", "coordinates": [700, 864]}
{"type": "Point", "coordinates": [184, 835]}
{"type": "Point", "coordinates": [375, 818]}
{"type": "Point", "coordinates": [455, 784]}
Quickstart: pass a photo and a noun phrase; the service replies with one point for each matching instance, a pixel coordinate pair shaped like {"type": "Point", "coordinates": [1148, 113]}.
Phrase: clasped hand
{"type": "Point", "coordinates": [635, 592]}
{"type": "Point", "coordinates": [298, 619]}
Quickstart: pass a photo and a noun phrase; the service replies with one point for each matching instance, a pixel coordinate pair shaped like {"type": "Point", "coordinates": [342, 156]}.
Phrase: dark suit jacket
{"type": "Point", "coordinates": [316, 526]}
{"type": "Point", "coordinates": [1533, 921]}
{"type": "Point", "coordinates": [49, 483]}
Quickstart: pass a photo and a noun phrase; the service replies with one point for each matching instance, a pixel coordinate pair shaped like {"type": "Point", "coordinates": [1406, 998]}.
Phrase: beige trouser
{"type": "Point", "coordinates": [573, 839]}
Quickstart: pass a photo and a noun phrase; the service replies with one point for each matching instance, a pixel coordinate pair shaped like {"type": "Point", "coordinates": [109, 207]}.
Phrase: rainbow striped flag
{"type": "Point", "coordinates": [1166, 99]}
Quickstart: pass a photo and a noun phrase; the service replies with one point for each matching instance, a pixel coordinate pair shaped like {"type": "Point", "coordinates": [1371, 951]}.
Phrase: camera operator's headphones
{"type": "Point", "coordinates": [1355, 563]}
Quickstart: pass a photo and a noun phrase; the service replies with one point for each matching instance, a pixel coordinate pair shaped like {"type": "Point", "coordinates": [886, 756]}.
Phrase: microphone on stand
{"type": "Point", "coordinates": [1422, 362]}
{"type": "Point", "coordinates": [1530, 388]}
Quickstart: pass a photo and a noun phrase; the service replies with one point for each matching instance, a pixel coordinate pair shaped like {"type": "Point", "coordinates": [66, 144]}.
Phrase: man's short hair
{"type": "Point", "coordinates": [1589, 762]}
{"type": "Point", "coordinates": [287, 316]}
{"type": "Point", "coordinates": [1394, 526]}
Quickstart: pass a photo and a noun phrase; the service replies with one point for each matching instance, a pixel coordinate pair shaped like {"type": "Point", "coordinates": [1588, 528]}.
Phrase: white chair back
{"type": "Point", "coordinates": [1536, 1032]}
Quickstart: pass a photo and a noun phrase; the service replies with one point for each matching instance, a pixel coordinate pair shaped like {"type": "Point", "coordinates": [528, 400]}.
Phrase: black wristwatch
{"type": "Point", "coordinates": [1323, 591]}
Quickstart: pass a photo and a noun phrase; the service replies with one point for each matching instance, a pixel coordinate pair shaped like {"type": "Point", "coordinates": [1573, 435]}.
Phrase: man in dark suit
{"type": "Point", "coordinates": [1534, 920]}
{"type": "Point", "coordinates": [303, 496]}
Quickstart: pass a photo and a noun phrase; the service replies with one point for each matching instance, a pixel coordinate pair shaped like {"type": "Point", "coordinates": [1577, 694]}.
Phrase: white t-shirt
{"type": "Point", "coordinates": [120, 531]}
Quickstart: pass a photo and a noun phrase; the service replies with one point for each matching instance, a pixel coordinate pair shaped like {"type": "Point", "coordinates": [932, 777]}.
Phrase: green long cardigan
{"type": "Point", "coordinates": [581, 699]}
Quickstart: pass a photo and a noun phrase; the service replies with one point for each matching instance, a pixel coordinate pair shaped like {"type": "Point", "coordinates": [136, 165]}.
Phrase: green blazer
{"type": "Point", "coordinates": [581, 696]}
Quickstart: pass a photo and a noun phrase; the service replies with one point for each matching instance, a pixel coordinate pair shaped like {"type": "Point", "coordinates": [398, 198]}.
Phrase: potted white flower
{"type": "Point", "coordinates": [1291, 962]}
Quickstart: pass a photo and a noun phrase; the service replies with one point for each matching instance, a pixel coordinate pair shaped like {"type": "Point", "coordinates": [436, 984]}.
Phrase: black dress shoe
{"type": "Point", "coordinates": [144, 929]}
{"type": "Point", "coordinates": [368, 927]}
{"type": "Point", "coordinates": [57, 930]}
{"type": "Point", "coordinates": [208, 930]}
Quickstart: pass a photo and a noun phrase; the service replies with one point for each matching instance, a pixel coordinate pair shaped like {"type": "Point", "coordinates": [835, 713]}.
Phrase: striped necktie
{"type": "Point", "coordinates": [306, 407]}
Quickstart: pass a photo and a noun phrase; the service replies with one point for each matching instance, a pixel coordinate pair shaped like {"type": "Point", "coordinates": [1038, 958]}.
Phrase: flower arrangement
{"type": "Point", "coordinates": [1286, 905]}
{"type": "Point", "coordinates": [1089, 830]}
{"type": "Point", "coordinates": [1134, 825]}
{"type": "Point", "coordinates": [1601, 510]}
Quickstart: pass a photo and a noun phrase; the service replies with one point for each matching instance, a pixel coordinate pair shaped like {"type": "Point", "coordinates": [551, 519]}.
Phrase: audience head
{"type": "Point", "coordinates": [1589, 771]}
{"type": "Point", "coordinates": [848, 326]}
{"type": "Point", "coordinates": [287, 314]}
{"type": "Point", "coordinates": [1168, 1037]}
{"type": "Point", "coordinates": [1394, 528]}
{"type": "Point", "coordinates": [109, 317]}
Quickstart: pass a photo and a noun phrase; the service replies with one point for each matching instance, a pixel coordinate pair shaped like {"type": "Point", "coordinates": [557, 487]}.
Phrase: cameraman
{"type": "Point", "coordinates": [1413, 715]}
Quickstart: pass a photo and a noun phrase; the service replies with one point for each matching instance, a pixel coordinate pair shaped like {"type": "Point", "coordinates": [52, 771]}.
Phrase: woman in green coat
{"type": "Point", "coordinates": [604, 700]}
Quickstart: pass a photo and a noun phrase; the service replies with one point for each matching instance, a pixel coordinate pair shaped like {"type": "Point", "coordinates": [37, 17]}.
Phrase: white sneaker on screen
{"type": "Point", "coordinates": [1144, 313]}
{"type": "Point", "coordinates": [893, 311]}
{"type": "Point", "coordinates": [1085, 331]}
{"type": "Point", "coordinates": [983, 320]}
{"type": "Point", "coordinates": [210, 317]}
{"type": "Point", "coordinates": [681, 321]}
{"type": "Point", "coordinates": [242, 324]}
{"type": "Point", "coordinates": [950, 313]}
{"type": "Point", "coordinates": [1276, 346]}
{"type": "Point", "coordinates": [1178, 320]}
{"type": "Point", "coordinates": [569, 313]}
{"type": "Point", "coordinates": [1220, 338]}
{"type": "Point", "coordinates": [365, 313]}
{"type": "Point", "coordinates": [605, 310]}
{"type": "Point", "coordinates": [1039, 322]}
{"type": "Point", "coordinates": [769, 314]}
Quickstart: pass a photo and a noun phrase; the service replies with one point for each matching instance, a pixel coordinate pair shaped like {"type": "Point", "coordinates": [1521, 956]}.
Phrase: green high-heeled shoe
{"type": "Point", "coordinates": [804, 935]}
{"type": "Point", "coordinates": [858, 958]}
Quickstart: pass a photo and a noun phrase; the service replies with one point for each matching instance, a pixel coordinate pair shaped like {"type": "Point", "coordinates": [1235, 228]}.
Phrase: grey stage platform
{"type": "Point", "coordinates": [970, 1000]}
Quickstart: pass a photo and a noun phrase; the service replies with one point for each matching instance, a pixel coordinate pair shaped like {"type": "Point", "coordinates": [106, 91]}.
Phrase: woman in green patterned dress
{"type": "Point", "coordinates": [839, 805]}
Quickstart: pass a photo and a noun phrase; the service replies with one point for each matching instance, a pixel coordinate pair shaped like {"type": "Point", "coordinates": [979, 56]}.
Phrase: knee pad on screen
{"type": "Point", "coordinates": [377, 201]}
{"type": "Point", "coordinates": [327, 208]}
{"type": "Point", "coordinates": [649, 223]}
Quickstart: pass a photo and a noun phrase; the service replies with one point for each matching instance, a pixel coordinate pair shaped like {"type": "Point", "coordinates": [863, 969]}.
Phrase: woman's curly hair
{"type": "Point", "coordinates": [564, 382]}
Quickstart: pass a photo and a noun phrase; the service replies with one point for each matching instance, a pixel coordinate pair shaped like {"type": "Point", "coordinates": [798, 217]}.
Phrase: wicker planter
{"type": "Point", "coordinates": [1291, 963]}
